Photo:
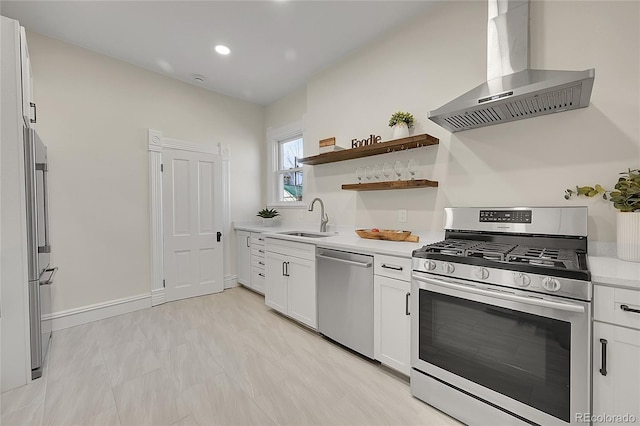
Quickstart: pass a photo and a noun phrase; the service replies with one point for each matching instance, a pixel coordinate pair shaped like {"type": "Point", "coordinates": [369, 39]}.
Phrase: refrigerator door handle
{"type": "Point", "coordinates": [32, 212]}
{"type": "Point", "coordinates": [49, 280]}
{"type": "Point", "coordinates": [35, 112]}
{"type": "Point", "coordinates": [44, 167]}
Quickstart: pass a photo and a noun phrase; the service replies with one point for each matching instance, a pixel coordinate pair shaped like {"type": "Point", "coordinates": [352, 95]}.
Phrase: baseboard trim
{"type": "Point", "coordinates": [230, 281]}
{"type": "Point", "coordinates": [158, 297]}
{"type": "Point", "coordinates": [85, 314]}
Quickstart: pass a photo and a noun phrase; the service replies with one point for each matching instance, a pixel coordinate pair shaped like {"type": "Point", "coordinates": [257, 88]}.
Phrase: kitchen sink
{"type": "Point", "coordinates": [305, 234]}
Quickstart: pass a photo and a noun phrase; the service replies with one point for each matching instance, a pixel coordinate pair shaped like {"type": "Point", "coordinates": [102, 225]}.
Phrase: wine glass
{"type": "Point", "coordinates": [368, 172]}
{"type": "Point", "coordinates": [377, 171]}
{"type": "Point", "coordinates": [412, 166]}
{"type": "Point", "coordinates": [398, 167]}
{"type": "Point", "coordinates": [360, 174]}
{"type": "Point", "coordinates": [386, 170]}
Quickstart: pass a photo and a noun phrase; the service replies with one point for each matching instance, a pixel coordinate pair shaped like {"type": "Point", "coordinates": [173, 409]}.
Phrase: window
{"type": "Point", "coordinates": [286, 147]}
{"type": "Point", "coordinates": [289, 175]}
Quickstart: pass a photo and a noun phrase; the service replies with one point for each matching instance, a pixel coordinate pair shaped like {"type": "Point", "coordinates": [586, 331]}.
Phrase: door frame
{"type": "Point", "coordinates": [156, 146]}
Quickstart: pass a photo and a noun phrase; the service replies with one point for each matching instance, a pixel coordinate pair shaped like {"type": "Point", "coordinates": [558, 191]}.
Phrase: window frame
{"type": "Point", "coordinates": [274, 138]}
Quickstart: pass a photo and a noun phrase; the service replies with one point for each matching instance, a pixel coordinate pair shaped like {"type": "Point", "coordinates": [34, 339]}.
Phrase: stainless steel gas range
{"type": "Point", "coordinates": [502, 327]}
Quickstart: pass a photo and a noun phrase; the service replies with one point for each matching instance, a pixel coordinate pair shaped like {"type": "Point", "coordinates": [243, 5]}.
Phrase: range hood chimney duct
{"type": "Point", "coordinates": [512, 90]}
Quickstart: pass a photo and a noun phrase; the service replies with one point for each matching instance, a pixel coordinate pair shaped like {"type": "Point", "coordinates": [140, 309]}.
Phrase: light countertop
{"type": "Point", "coordinates": [614, 272]}
{"type": "Point", "coordinates": [346, 239]}
{"type": "Point", "coordinates": [605, 270]}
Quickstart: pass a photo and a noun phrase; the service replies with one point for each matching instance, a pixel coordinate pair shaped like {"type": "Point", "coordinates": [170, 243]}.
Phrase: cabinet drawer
{"type": "Point", "coordinates": [257, 279]}
{"type": "Point", "coordinates": [257, 262]}
{"type": "Point", "coordinates": [392, 267]}
{"type": "Point", "coordinates": [257, 252]}
{"type": "Point", "coordinates": [291, 248]}
{"type": "Point", "coordinates": [615, 305]}
{"type": "Point", "coordinates": [257, 239]}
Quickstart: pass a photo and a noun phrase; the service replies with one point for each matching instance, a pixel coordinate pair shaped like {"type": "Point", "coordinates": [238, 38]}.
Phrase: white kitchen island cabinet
{"type": "Point", "coordinates": [616, 356]}
{"type": "Point", "coordinates": [290, 280]}
{"type": "Point", "coordinates": [392, 320]}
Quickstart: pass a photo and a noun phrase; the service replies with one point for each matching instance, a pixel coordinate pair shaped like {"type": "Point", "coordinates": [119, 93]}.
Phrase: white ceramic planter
{"type": "Point", "coordinates": [272, 221]}
{"type": "Point", "coordinates": [400, 130]}
{"type": "Point", "coordinates": [628, 238]}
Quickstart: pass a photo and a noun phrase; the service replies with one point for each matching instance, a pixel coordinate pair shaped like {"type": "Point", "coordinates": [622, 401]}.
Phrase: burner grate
{"type": "Point", "coordinates": [451, 246]}
{"type": "Point", "coordinates": [491, 251]}
{"type": "Point", "coordinates": [556, 258]}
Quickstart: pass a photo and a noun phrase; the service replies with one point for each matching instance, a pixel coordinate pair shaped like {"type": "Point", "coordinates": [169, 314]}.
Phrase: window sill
{"type": "Point", "coordinates": [289, 205]}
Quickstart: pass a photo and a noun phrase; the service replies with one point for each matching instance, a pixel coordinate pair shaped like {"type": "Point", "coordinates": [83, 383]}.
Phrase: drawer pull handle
{"type": "Point", "coordinates": [406, 304]}
{"type": "Point", "coordinates": [626, 308]}
{"type": "Point", "coordinates": [603, 370]}
{"type": "Point", "coordinates": [395, 268]}
{"type": "Point", "coordinates": [260, 263]}
{"type": "Point", "coordinates": [262, 275]}
{"type": "Point", "coordinates": [248, 242]}
{"type": "Point", "coordinates": [260, 251]}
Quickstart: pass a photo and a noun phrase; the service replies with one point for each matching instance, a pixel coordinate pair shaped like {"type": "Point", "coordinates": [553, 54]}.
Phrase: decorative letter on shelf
{"type": "Point", "coordinates": [364, 142]}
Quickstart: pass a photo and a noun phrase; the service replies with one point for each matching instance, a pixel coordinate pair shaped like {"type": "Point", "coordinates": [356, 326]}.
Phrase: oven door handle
{"type": "Point", "coordinates": [505, 296]}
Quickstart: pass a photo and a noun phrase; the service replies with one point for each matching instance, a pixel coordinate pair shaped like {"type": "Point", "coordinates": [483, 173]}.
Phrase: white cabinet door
{"type": "Point", "coordinates": [617, 392]}
{"type": "Point", "coordinates": [302, 290]}
{"type": "Point", "coordinates": [257, 279]}
{"type": "Point", "coordinates": [275, 286]}
{"type": "Point", "coordinates": [392, 323]}
{"type": "Point", "coordinates": [243, 257]}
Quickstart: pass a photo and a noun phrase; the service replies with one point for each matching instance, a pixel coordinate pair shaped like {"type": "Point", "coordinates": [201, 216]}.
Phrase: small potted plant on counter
{"type": "Point", "coordinates": [625, 197]}
{"type": "Point", "coordinates": [268, 216]}
{"type": "Point", "coordinates": [401, 122]}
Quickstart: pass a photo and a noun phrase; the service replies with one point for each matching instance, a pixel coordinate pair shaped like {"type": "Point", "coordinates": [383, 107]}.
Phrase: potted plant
{"type": "Point", "coordinates": [625, 197]}
{"type": "Point", "coordinates": [268, 216]}
{"type": "Point", "coordinates": [401, 122]}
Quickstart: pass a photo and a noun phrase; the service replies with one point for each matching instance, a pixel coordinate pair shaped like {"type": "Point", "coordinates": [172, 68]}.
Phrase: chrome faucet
{"type": "Point", "coordinates": [324, 219]}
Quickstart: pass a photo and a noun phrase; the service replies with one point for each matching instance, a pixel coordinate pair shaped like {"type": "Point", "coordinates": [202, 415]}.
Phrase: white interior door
{"type": "Point", "coordinates": [192, 209]}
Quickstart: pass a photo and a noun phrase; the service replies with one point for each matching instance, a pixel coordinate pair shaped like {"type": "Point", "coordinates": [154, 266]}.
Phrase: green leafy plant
{"type": "Point", "coordinates": [625, 196]}
{"type": "Point", "coordinates": [268, 213]}
{"type": "Point", "coordinates": [401, 117]}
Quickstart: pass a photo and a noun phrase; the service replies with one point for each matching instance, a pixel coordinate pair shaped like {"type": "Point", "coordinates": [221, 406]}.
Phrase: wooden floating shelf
{"type": "Point", "coordinates": [411, 142]}
{"type": "Point", "coordinates": [392, 184]}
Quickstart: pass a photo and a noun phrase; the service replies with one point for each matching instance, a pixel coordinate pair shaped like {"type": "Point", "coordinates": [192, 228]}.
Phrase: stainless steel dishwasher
{"type": "Point", "coordinates": [345, 298]}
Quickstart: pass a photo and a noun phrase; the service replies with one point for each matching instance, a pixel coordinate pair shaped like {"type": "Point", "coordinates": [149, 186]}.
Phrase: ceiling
{"type": "Point", "coordinates": [276, 46]}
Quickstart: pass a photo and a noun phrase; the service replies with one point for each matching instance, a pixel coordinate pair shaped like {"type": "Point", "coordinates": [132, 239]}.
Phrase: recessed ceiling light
{"type": "Point", "coordinates": [222, 49]}
{"type": "Point", "coordinates": [199, 78]}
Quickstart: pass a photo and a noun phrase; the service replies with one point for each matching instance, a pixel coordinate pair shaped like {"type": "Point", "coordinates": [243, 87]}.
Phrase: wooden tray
{"type": "Point", "coordinates": [384, 234]}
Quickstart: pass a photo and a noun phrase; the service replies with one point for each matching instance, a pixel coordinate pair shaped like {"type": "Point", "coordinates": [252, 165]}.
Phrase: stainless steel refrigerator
{"type": "Point", "coordinates": [41, 273]}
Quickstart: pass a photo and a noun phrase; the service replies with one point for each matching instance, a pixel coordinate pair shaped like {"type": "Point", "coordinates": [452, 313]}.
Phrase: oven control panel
{"type": "Point", "coordinates": [505, 216]}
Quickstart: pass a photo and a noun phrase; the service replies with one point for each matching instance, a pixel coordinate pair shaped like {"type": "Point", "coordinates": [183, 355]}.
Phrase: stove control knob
{"type": "Point", "coordinates": [521, 279]}
{"type": "Point", "coordinates": [448, 268]}
{"type": "Point", "coordinates": [429, 265]}
{"type": "Point", "coordinates": [481, 273]}
{"type": "Point", "coordinates": [551, 284]}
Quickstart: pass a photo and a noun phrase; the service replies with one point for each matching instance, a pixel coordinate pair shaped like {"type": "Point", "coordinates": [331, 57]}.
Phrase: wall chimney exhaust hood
{"type": "Point", "coordinates": [512, 90]}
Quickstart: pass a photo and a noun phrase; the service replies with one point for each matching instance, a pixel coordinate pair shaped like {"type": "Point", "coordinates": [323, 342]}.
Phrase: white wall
{"type": "Point", "coordinates": [441, 55]}
{"type": "Point", "coordinates": [93, 113]}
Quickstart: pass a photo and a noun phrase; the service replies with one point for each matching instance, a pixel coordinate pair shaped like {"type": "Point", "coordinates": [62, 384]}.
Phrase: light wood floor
{"type": "Point", "coordinates": [224, 359]}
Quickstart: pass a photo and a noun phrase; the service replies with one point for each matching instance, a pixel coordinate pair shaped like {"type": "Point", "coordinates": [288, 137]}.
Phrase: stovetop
{"type": "Point", "coordinates": [537, 249]}
{"type": "Point", "coordinates": [527, 257]}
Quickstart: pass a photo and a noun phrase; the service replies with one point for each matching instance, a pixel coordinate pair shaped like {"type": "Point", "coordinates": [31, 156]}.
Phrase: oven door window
{"type": "Point", "coordinates": [523, 356]}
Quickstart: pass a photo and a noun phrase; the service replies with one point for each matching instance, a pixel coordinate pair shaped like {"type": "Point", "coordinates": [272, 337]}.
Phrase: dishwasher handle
{"type": "Point", "coordinates": [350, 262]}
